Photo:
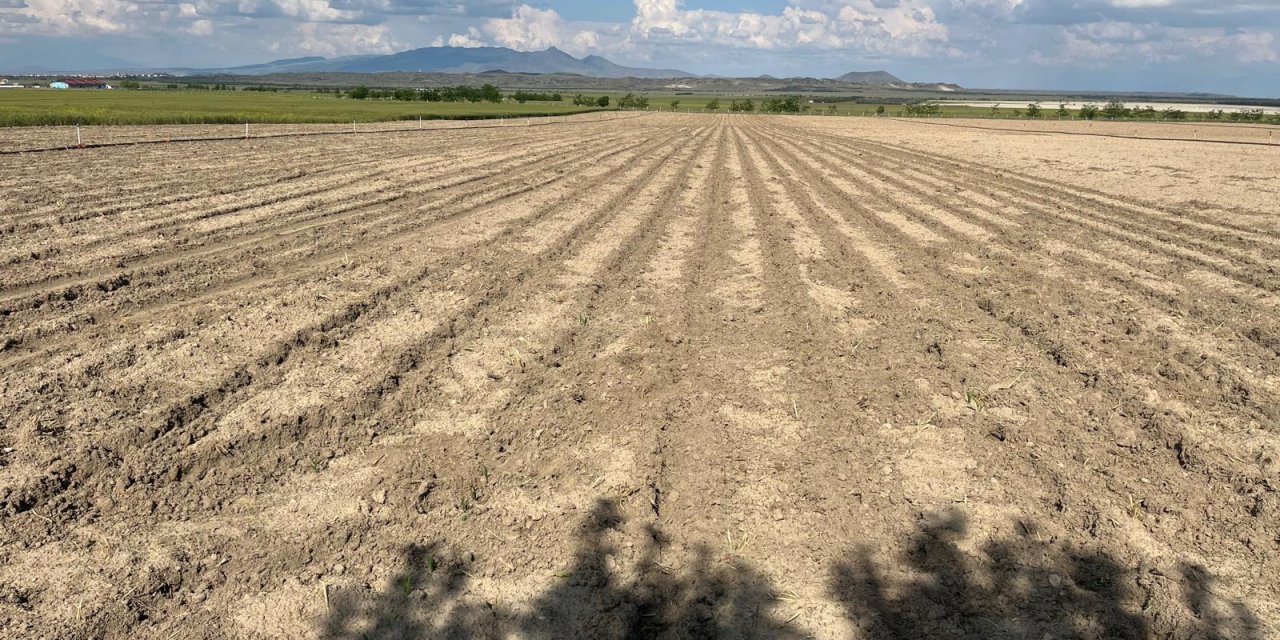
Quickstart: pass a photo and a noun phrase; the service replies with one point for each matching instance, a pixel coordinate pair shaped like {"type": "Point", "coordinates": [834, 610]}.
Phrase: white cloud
{"type": "Point", "coordinates": [1106, 44]}
{"type": "Point", "coordinates": [201, 28]}
{"type": "Point", "coordinates": [528, 29]}
{"type": "Point", "coordinates": [326, 39]}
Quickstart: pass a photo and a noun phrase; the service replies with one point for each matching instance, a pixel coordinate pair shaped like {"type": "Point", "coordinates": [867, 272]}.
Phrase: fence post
{"type": "Point", "coordinates": [78, 135]}
{"type": "Point", "coordinates": [353, 126]}
{"type": "Point", "coordinates": [246, 131]}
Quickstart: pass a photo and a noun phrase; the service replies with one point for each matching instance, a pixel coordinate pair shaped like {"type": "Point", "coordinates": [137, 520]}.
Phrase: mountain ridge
{"type": "Point", "coordinates": [460, 60]}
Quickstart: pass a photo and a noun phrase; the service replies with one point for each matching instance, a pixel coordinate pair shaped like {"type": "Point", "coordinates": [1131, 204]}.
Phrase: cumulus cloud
{"type": "Point", "coordinates": [879, 27]}
{"type": "Point", "coordinates": [528, 29]}
{"type": "Point", "coordinates": [898, 27]}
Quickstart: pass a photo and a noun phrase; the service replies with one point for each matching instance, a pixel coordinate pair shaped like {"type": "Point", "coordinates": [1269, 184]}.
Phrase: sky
{"type": "Point", "coordinates": [1221, 46]}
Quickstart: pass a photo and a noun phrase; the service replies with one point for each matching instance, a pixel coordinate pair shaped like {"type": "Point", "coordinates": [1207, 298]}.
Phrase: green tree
{"type": "Point", "coordinates": [1062, 110]}
{"type": "Point", "coordinates": [714, 105]}
{"type": "Point", "coordinates": [1115, 110]}
{"type": "Point", "coordinates": [359, 93]}
{"type": "Point", "coordinates": [603, 101]}
{"type": "Point", "coordinates": [1089, 111]}
{"type": "Point", "coordinates": [1034, 110]}
{"type": "Point", "coordinates": [879, 109]}
{"type": "Point", "coordinates": [675, 104]}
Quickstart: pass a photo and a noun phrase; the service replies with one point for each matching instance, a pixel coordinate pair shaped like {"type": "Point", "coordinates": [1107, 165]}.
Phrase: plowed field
{"type": "Point", "coordinates": [679, 376]}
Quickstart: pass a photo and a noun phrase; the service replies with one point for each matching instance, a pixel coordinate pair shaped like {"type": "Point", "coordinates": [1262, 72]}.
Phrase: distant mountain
{"type": "Point", "coordinates": [870, 77]}
{"type": "Point", "coordinates": [456, 60]}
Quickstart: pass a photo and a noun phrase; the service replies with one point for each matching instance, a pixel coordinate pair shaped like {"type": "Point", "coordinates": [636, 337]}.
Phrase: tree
{"type": "Point", "coordinates": [675, 104]}
{"type": "Point", "coordinates": [1062, 110]}
{"type": "Point", "coordinates": [1033, 110]}
{"type": "Point", "coordinates": [633, 101]}
{"type": "Point", "coordinates": [1216, 114]}
{"type": "Point", "coordinates": [743, 105]}
{"type": "Point", "coordinates": [879, 109]}
{"type": "Point", "coordinates": [1174, 114]}
{"type": "Point", "coordinates": [789, 104]}
{"type": "Point", "coordinates": [583, 101]}
{"type": "Point", "coordinates": [995, 110]}
{"type": "Point", "coordinates": [1089, 111]}
{"type": "Point", "coordinates": [1115, 109]}
{"type": "Point", "coordinates": [602, 101]}
{"type": "Point", "coordinates": [714, 105]}
{"type": "Point", "coordinates": [925, 109]}
{"type": "Point", "coordinates": [359, 93]}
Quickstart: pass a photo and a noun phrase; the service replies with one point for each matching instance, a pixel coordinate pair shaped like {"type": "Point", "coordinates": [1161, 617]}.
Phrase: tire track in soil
{"type": "Point", "coordinates": [1050, 195]}
{"type": "Point", "coordinates": [1171, 474]}
{"type": "Point", "coordinates": [189, 210]}
{"type": "Point", "coordinates": [346, 206]}
{"type": "Point", "coordinates": [1235, 393]}
{"type": "Point", "coordinates": [327, 332]}
{"type": "Point", "coordinates": [318, 258]}
{"type": "Point", "coordinates": [1249, 352]}
{"type": "Point", "coordinates": [106, 195]}
{"type": "Point", "coordinates": [1153, 286]}
{"type": "Point", "coordinates": [563, 246]}
{"type": "Point", "coordinates": [1124, 397]}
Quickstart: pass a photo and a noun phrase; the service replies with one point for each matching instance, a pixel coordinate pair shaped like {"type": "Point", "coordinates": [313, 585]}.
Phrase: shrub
{"type": "Point", "coordinates": [1089, 111]}
{"type": "Point", "coordinates": [1173, 114]}
{"type": "Point", "coordinates": [359, 93]}
{"type": "Point", "coordinates": [1034, 110]}
{"type": "Point", "coordinates": [742, 106]}
{"type": "Point", "coordinates": [1063, 111]}
{"type": "Point", "coordinates": [527, 96]}
{"type": "Point", "coordinates": [602, 101]}
{"type": "Point", "coordinates": [714, 105]}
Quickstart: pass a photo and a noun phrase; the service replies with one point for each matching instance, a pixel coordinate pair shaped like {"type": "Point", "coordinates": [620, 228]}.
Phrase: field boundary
{"type": "Point", "coordinates": [546, 121]}
{"type": "Point", "coordinates": [1082, 133]}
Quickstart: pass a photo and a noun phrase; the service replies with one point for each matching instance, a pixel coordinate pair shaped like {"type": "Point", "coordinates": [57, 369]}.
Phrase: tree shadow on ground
{"type": "Point", "coordinates": [710, 599]}
{"type": "Point", "coordinates": [1023, 588]}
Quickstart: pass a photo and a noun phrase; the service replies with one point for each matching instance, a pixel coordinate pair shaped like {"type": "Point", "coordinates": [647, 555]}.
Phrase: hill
{"type": "Point", "coordinates": [870, 77]}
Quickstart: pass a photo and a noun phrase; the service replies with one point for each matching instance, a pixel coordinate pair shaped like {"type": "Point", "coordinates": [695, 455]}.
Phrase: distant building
{"type": "Point", "coordinates": [79, 83]}
{"type": "Point", "coordinates": [5, 84]}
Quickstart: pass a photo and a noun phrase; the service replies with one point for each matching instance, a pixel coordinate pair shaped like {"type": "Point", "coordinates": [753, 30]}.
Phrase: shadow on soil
{"type": "Point", "coordinates": [1020, 588]}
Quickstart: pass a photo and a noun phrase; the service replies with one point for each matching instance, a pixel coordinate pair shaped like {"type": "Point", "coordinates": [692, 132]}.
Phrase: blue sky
{"type": "Point", "coordinates": [1227, 46]}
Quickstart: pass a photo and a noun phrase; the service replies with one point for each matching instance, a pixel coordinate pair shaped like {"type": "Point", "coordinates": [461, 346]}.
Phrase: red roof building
{"type": "Point", "coordinates": [84, 83]}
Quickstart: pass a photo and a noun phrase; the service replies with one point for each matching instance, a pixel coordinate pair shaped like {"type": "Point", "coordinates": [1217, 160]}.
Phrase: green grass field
{"type": "Point", "coordinates": [50, 107]}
